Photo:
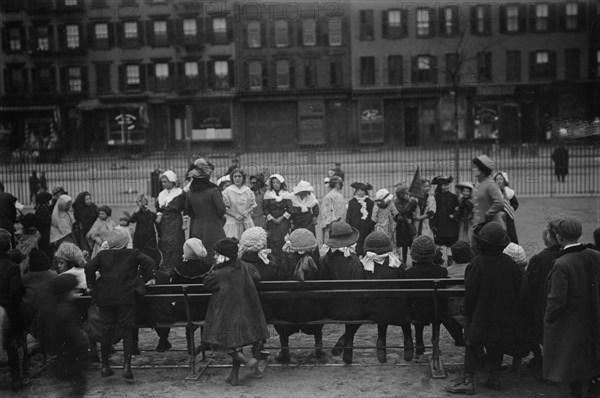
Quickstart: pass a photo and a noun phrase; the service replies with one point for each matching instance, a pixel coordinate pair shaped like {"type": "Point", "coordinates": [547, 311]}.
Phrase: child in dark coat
{"type": "Point", "coordinates": [422, 309]}
{"type": "Point", "coordinates": [144, 237]}
{"type": "Point", "coordinates": [235, 317]}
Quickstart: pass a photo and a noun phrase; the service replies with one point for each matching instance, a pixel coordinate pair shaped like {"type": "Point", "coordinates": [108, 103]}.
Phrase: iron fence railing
{"type": "Point", "coordinates": [117, 178]}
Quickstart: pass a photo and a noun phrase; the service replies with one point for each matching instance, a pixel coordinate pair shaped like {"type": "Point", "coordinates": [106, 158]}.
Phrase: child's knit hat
{"type": "Point", "coordinates": [301, 240]}
{"type": "Point", "coordinates": [378, 243]}
{"type": "Point", "coordinates": [253, 240]}
{"type": "Point", "coordinates": [517, 253]}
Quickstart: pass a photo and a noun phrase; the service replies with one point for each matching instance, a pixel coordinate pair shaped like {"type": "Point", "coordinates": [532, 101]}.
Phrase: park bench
{"type": "Point", "coordinates": [322, 290]}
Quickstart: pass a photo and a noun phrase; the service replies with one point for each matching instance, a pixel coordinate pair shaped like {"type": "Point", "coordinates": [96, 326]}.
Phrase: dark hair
{"type": "Point", "coordinates": [283, 184]}
{"type": "Point", "coordinates": [500, 174]}
{"type": "Point", "coordinates": [105, 209]}
{"type": "Point", "coordinates": [238, 171]}
{"type": "Point", "coordinates": [334, 181]}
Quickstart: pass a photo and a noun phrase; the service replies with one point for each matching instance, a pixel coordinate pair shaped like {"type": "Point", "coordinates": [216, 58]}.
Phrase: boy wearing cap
{"type": "Point", "coordinates": [114, 293]}
{"type": "Point", "coordinates": [10, 299]}
{"type": "Point", "coordinates": [572, 317]}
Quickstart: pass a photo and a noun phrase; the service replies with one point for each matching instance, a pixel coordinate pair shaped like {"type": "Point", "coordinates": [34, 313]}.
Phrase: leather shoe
{"type": "Point", "coordinates": [381, 353]}
{"type": "Point", "coordinates": [464, 387]}
{"type": "Point", "coordinates": [337, 349]}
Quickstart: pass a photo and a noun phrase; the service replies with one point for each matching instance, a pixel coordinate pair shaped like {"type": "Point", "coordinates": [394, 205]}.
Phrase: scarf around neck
{"type": "Point", "coordinates": [166, 196]}
{"type": "Point", "coordinates": [304, 204]}
{"type": "Point", "coordinates": [270, 194]}
{"type": "Point", "coordinates": [371, 258]}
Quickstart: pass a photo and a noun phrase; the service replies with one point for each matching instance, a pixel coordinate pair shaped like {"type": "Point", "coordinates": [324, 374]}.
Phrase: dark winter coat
{"type": "Point", "coordinates": [149, 312]}
{"type": "Point", "coordinates": [304, 220]}
{"type": "Point", "coordinates": [36, 287]}
{"type": "Point", "coordinates": [492, 285]}
{"type": "Point", "coordinates": [560, 156]}
{"type": "Point", "coordinates": [206, 209]}
{"type": "Point", "coordinates": [170, 232]}
{"type": "Point", "coordinates": [235, 317]}
{"type": "Point", "coordinates": [572, 317]}
{"type": "Point", "coordinates": [405, 228]}
{"type": "Point", "coordinates": [8, 212]}
{"type": "Point", "coordinates": [360, 221]}
{"type": "Point", "coordinates": [392, 311]}
{"type": "Point", "coordinates": [337, 267]}
{"type": "Point", "coordinates": [85, 215]}
{"type": "Point", "coordinates": [43, 222]}
{"type": "Point", "coordinates": [266, 272]}
{"type": "Point", "coordinates": [144, 236]}
{"type": "Point", "coordinates": [422, 309]}
{"type": "Point", "coordinates": [11, 293]}
{"type": "Point", "coordinates": [445, 223]}
{"type": "Point", "coordinates": [298, 311]}
{"type": "Point", "coordinates": [537, 273]}
{"type": "Point", "coordinates": [118, 275]}
{"type": "Point", "coordinates": [191, 272]}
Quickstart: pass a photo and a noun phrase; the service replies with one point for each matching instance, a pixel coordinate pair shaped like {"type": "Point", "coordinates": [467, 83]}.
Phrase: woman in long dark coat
{"type": "Point", "coordinates": [360, 211]}
{"type": "Point", "coordinates": [170, 205]}
{"type": "Point", "coordinates": [144, 236]}
{"type": "Point", "coordinates": [382, 262]}
{"type": "Point", "coordinates": [300, 263]}
{"type": "Point", "coordinates": [537, 273]}
{"type": "Point", "coordinates": [86, 213]}
{"type": "Point", "coordinates": [278, 210]}
{"type": "Point", "coordinates": [235, 317]}
{"type": "Point", "coordinates": [511, 204]}
{"type": "Point", "coordinates": [341, 263]}
{"type": "Point", "coordinates": [205, 207]}
{"type": "Point", "coordinates": [405, 230]}
{"type": "Point", "coordinates": [492, 285]}
{"type": "Point", "coordinates": [445, 223]}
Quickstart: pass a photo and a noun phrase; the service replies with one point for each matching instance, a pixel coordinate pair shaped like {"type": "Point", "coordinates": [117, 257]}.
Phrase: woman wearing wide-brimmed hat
{"type": "Point", "coordinates": [360, 211]}
{"type": "Point", "coordinates": [384, 214]}
{"type": "Point", "coordinates": [205, 206]}
{"type": "Point", "coordinates": [492, 285]}
{"type": "Point", "coordinates": [464, 212]}
{"type": "Point", "coordinates": [300, 263]}
{"type": "Point", "coordinates": [381, 262]}
{"type": "Point", "coordinates": [278, 210]}
{"type": "Point", "coordinates": [511, 204]}
{"type": "Point", "coordinates": [170, 206]}
{"type": "Point", "coordinates": [305, 207]}
{"type": "Point", "coordinates": [341, 263]}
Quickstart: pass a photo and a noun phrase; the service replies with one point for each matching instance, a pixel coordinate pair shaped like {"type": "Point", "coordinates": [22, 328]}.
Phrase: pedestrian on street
{"type": "Point", "coordinates": [85, 212]}
{"type": "Point", "coordinates": [257, 184]}
{"type": "Point", "coordinates": [43, 221]}
{"type": "Point", "coordinates": [34, 186]}
{"type": "Point", "coordinates": [573, 310]}
{"type": "Point", "coordinates": [144, 235]}
{"type": "Point", "coordinates": [560, 157]}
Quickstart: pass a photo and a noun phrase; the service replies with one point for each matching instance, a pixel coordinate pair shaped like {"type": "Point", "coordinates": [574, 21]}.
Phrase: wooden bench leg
{"type": "Point", "coordinates": [435, 362]}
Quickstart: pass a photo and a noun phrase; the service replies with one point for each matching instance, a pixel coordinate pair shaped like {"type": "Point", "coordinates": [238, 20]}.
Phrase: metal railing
{"type": "Point", "coordinates": [118, 177]}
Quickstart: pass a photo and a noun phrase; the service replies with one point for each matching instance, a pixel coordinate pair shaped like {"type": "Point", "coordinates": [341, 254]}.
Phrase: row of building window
{"type": "Point", "coordinates": [542, 18]}
{"type": "Point", "coordinates": [309, 33]}
{"type": "Point", "coordinates": [424, 68]}
{"type": "Point", "coordinates": [129, 34]}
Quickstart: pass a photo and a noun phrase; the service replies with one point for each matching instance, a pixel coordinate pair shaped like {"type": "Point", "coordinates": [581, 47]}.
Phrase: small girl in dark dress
{"type": "Point", "coordinates": [235, 317]}
{"type": "Point", "coordinates": [360, 211]}
{"type": "Point", "coordinates": [405, 229]}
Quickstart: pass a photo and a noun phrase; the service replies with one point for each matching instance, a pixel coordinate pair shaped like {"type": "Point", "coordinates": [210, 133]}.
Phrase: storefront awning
{"type": "Point", "coordinates": [92, 105]}
{"type": "Point", "coordinates": [27, 108]}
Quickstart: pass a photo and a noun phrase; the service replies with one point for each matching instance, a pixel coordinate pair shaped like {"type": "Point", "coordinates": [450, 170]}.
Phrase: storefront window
{"type": "Point", "coordinates": [211, 122]}
{"type": "Point", "coordinates": [485, 123]}
{"type": "Point", "coordinates": [371, 122]}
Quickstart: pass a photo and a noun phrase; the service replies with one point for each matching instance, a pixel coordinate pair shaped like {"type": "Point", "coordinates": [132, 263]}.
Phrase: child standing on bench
{"type": "Point", "coordinates": [235, 316]}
